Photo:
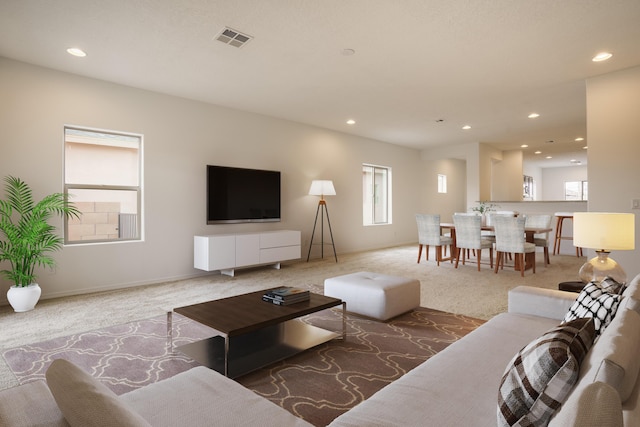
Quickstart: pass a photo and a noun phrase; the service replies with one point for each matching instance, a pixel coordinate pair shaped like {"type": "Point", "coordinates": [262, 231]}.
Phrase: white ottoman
{"type": "Point", "coordinates": [375, 295]}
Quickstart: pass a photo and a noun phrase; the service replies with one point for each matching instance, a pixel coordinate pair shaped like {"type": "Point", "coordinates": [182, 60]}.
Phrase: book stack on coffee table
{"type": "Point", "coordinates": [286, 295]}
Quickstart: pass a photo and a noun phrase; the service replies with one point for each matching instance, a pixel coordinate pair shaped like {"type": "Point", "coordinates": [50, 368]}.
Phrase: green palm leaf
{"type": "Point", "coordinates": [27, 238]}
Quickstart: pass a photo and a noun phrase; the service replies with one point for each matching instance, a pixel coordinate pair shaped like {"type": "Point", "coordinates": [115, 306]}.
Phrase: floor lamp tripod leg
{"type": "Point", "coordinates": [331, 233]}
{"type": "Point", "coordinates": [313, 232]}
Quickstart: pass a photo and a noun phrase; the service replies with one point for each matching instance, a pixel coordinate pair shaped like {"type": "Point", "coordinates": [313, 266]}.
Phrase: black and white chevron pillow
{"type": "Point", "coordinates": [594, 302]}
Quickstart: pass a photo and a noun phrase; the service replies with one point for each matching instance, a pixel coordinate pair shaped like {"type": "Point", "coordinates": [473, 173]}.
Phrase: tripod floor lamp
{"type": "Point", "coordinates": [322, 188]}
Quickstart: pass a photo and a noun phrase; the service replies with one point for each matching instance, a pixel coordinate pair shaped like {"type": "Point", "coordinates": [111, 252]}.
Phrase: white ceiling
{"type": "Point", "coordinates": [486, 63]}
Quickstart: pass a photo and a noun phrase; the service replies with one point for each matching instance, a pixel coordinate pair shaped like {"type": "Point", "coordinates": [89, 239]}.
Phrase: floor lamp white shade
{"type": "Point", "coordinates": [322, 187]}
{"type": "Point", "coordinates": [604, 232]}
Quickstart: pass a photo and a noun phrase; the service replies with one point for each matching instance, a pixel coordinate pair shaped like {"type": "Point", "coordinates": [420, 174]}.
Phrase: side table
{"type": "Point", "coordinates": [571, 286]}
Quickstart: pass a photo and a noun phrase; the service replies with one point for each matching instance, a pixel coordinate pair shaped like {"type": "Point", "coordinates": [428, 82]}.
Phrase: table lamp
{"type": "Point", "coordinates": [604, 232]}
{"type": "Point", "coordinates": [322, 188]}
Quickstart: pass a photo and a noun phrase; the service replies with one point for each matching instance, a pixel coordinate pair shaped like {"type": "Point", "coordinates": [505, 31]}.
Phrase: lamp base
{"type": "Point", "coordinates": [601, 266]}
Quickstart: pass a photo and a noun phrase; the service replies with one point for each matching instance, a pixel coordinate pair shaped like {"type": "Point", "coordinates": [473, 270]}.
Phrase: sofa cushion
{"type": "Point", "coordinates": [201, 397]}
{"type": "Point", "coordinates": [542, 374]}
{"type": "Point", "coordinates": [455, 387]}
{"type": "Point", "coordinates": [614, 358]}
{"type": "Point", "coordinates": [633, 288]}
{"type": "Point", "coordinates": [85, 401]}
{"type": "Point", "coordinates": [593, 405]}
{"type": "Point", "coordinates": [596, 303]}
{"type": "Point", "coordinates": [30, 404]}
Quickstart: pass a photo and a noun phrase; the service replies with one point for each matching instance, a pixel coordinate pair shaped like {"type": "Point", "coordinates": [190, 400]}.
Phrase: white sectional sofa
{"type": "Point", "coordinates": [457, 387]}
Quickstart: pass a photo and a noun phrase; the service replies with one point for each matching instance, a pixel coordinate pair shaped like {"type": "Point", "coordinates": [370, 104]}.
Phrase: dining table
{"type": "Point", "coordinates": [529, 233]}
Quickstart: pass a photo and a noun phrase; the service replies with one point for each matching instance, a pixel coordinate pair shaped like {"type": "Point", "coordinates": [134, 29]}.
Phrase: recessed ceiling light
{"type": "Point", "coordinates": [602, 56]}
{"type": "Point", "coordinates": [578, 139]}
{"type": "Point", "coordinates": [548, 157]}
{"type": "Point", "coordinates": [584, 148]}
{"type": "Point", "coordinates": [533, 115]}
{"type": "Point", "coordinates": [538, 152]}
{"type": "Point", "coordinates": [351, 122]}
{"type": "Point", "coordinates": [76, 52]}
{"type": "Point", "coordinates": [524, 146]}
{"type": "Point", "coordinates": [466, 127]}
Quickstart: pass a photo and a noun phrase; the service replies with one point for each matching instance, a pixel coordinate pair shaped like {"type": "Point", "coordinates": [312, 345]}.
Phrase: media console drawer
{"type": "Point", "coordinates": [225, 252]}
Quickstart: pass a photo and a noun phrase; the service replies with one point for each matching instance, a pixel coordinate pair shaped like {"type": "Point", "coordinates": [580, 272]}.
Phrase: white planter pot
{"type": "Point", "coordinates": [24, 298]}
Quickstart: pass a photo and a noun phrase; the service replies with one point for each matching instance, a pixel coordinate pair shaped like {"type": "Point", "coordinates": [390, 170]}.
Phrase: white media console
{"type": "Point", "coordinates": [225, 252]}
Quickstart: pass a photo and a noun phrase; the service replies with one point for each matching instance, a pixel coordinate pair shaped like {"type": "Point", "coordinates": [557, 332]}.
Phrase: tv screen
{"type": "Point", "coordinates": [242, 195]}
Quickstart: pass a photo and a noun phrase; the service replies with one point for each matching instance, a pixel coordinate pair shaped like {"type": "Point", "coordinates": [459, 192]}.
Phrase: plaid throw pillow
{"type": "Point", "coordinates": [594, 302]}
{"type": "Point", "coordinates": [610, 286]}
{"type": "Point", "coordinates": [541, 375]}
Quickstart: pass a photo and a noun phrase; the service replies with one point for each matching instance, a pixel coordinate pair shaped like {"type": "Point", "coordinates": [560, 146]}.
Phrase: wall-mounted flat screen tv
{"type": "Point", "coordinates": [242, 195]}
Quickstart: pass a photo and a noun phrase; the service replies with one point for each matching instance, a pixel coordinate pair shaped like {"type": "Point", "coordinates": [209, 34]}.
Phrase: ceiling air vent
{"type": "Point", "coordinates": [233, 37]}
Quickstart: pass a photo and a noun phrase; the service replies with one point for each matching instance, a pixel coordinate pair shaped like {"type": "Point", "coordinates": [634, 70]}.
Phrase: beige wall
{"type": "Point", "coordinates": [613, 136]}
{"type": "Point", "coordinates": [438, 203]}
{"type": "Point", "coordinates": [180, 138]}
{"type": "Point", "coordinates": [506, 176]}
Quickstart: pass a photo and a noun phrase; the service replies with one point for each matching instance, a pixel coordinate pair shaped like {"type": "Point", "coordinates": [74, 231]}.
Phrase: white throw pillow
{"type": "Point", "coordinates": [85, 401]}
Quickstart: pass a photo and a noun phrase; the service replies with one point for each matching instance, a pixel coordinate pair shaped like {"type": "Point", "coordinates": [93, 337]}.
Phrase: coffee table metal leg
{"type": "Point", "coordinates": [226, 355]}
{"type": "Point", "coordinates": [170, 331]}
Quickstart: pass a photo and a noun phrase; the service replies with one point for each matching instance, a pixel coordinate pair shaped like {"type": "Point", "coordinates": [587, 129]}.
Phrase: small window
{"type": "Point", "coordinates": [576, 190]}
{"type": "Point", "coordinates": [102, 176]}
{"type": "Point", "coordinates": [376, 191]}
{"type": "Point", "coordinates": [442, 183]}
{"type": "Point", "coordinates": [528, 188]}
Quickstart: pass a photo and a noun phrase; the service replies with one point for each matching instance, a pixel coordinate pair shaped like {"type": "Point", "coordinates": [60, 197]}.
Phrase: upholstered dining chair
{"type": "Point", "coordinates": [510, 238]}
{"type": "Point", "coordinates": [468, 236]}
{"type": "Point", "coordinates": [541, 240]}
{"type": "Point", "coordinates": [488, 234]}
{"type": "Point", "coordinates": [429, 235]}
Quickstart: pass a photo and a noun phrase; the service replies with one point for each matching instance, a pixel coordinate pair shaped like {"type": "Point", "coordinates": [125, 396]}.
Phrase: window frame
{"type": "Point", "coordinates": [584, 190]}
{"type": "Point", "coordinates": [139, 189]}
{"type": "Point", "coordinates": [388, 196]}
{"type": "Point", "coordinates": [442, 183]}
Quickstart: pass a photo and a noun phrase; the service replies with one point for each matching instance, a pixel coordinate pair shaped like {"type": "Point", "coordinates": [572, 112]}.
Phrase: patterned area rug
{"type": "Point", "coordinates": [317, 385]}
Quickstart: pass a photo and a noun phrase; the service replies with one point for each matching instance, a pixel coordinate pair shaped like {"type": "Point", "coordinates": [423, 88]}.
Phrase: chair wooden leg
{"type": "Point", "coordinates": [547, 261]}
{"type": "Point", "coordinates": [498, 257]}
{"type": "Point", "coordinates": [491, 257]}
{"type": "Point", "coordinates": [438, 255]}
{"type": "Point", "coordinates": [427, 248]}
{"type": "Point", "coordinates": [533, 262]}
{"type": "Point", "coordinates": [521, 260]}
{"type": "Point", "coordinates": [419, 253]}
{"type": "Point", "coordinates": [478, 257]}
{"type": "Point", "coordinates": [457, 256]}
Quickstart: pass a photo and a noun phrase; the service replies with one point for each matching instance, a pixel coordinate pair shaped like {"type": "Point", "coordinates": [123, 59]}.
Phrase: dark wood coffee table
{"type": "Point", "coordinates": [253, 333]}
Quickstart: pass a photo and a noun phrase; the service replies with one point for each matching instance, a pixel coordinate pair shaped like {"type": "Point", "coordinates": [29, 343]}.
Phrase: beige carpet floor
{"type": "Point", "coordinates": [463, 291]}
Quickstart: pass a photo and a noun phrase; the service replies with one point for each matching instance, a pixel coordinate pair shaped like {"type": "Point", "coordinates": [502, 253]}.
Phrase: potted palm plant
{"type": "Point", "coordinates": [28, 239]}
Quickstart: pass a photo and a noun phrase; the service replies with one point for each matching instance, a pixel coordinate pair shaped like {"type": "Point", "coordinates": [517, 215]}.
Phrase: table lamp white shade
{"type": "Point", "coordinates": [322, 188]}
{"type": "Point", "coordinates": [604, 232]}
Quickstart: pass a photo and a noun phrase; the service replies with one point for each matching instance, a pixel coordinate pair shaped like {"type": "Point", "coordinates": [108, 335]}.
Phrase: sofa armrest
{"type": "Point", "coordinates": [540, 302]}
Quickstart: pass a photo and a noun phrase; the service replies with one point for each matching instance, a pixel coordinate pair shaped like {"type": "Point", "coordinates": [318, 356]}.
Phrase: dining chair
{"type": "Point", "coordinates": [541, 240]}
{"type": "Point", "coordinates": [491, 235]}
{"type": "Point", "coordinates": [468, 236]}
{"type": "Point", "coordinates": [510, 238]}
{"type": "Point", "coordinates": [429, 234]}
